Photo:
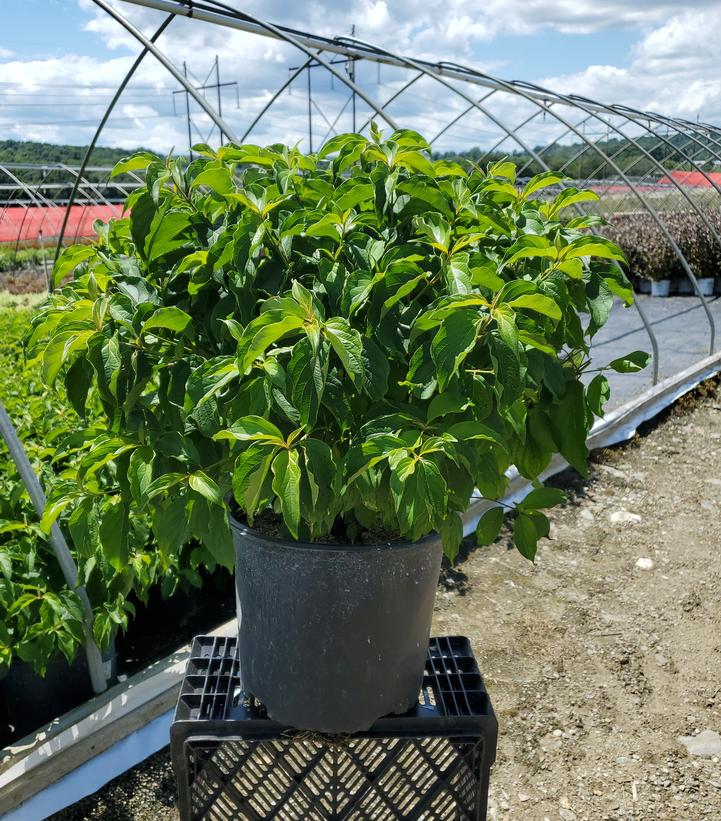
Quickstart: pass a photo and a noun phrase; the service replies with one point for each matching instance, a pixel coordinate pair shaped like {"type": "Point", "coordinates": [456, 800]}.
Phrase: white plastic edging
{"type": "Point", "coordinates": [96, 772]}
{"type": "Point", "coordinates": [55, 753]}
{"type": "Point", "coordinates": [97, 768]}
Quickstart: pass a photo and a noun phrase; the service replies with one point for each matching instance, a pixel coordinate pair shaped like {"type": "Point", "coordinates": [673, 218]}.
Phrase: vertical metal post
{"type": "Point", "coordinates": [59, 545]}
{"type": "Point", "coordinates": [310, 112]}
{"type": "Point", "coordinates": [45, 261]}
{"type": "Point", "coordinates": [217, 81]}
{"type": "Point", "coordinates": [187, 114]}
{"type": "Point", "coordinates": [351, 71]}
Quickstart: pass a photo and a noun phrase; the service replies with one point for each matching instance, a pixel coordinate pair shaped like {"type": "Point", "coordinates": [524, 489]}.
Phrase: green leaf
{"type": "Point", "coordinates": [286, 486]}
{"type": "Point", "coordinates": [600, 302]}
{"type": "Point", "coordinates": [249, 475]}
{"type": "Point", "coordinates": [60, 348]}
{"type": "Point", "coordinates": [165, 482]}
{"type": "Point", "coordinates": [458, 275]}
{"type": "Point", "coordinates": [631, 362]}
{"type": "Point", "coordinates": [218, 538]}
{"type": "Point", "coordinates": [543, 497]}
{"type": "Point", "coordinates": [202, 483]}
{"type": "Point", "coordinates": [136, 162]}
{"type": "Point", "coordinates": [172, 318]}
{"type": "Point", "coordinates": [53, 510]}
{"type": "Point", "coordinates": [454, 340]}
{"type": "Point", "coordinates": [593, 246]}
{"type": "Point", "coordinates": [451, 532]}
{"type": "Point", "coordinates": [322, 474]}
{"type": "Point", "coordinates": [570, 196]}
{"type": "Point", "coordinates": [598, 393]}
{"type": "Point", "coordinates": [489, 525]}
{"type": "Point", "coordinates": [216, 177]}
{"type": "Point", "coordinates": [376, 369]}
{"type": "Point", "coordinates": [529, 247]}
{"type": "Point", "coordinates": [447, 403]}
{"type": "Point", "coordinates": [541, 181]}
{"type": "Point", "coordinates": [78, 379]}
{"type": "Point", "coordinates": [538, 303]}
{"type": "Point", "coordinates": [347, 344]}
{"type": "Point", "coordinates": [252, 429]}
{"type": "Point", "coordinates": [434, 230]}
{"type": "Point", "coordinates": [307, 370]}
{"type": "Point", "coordinates": [570, 427]}
{"type": "Point", "coordinates": [340, 142]}
{"type": "Point", "coordinates": [170, 525]}
{"type": "Point", "coordinates": [167, 232]}
{"type": "Point", "coordinates": [503, 168]}
{"type": "Point", "coordinates": [525, 536]}
{"type": "Point", "coordinates": [260, 334]}
{"type": "Point", "coordinates": [140, 473]}
{"type": "Point", "coordinates": [69, 260]}
{"type": "Point", "coordinates": [114, 535]}
{"type": "Point", "coordinates": [470, 430]}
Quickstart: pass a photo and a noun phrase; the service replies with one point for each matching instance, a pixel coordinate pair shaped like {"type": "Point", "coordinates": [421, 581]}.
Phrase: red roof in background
{"type": "Point", "coordinates": [26, 224]}
{"type": "Point", "coordinates": [692, 178]}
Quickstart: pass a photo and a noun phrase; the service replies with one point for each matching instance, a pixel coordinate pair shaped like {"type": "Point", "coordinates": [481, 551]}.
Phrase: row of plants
{"type": "Point", "coordinates": [40, 618]}
{"type": "Point", "coordinates": [648, 252]}
{"type": "Point", "coordinates": [12, 259]}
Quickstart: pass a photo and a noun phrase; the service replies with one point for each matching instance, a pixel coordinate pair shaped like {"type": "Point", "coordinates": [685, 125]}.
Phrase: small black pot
{"type": "Point", "coordinates": [332, 637]}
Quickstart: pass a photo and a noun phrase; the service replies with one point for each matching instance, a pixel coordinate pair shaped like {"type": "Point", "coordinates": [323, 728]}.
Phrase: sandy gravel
{"type": "Point", "coordinates": [596, 662]}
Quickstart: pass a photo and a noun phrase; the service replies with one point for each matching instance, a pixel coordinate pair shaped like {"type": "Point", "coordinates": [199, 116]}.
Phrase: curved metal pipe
{"type": "Point", "coordinates": [99, 130]}
{"type": "Point", "coordinates": [277, 94]}
{"type": "Point", "coordinates": [460, 116]}
{"type": "Point", "coordinates": [60, 548]}
{"type": "Point", "coordinates": [674, 245]}
{"type": "Point", "coordinates": [391, 99]}
{"type": "Point", "coordinates": [168, 65]}
{"type": "Point", "coordinates": [644, 319]}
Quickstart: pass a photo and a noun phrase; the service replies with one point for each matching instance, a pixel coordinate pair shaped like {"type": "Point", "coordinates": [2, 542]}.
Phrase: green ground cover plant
{"type": "Point", "coordinates": [352, 341]}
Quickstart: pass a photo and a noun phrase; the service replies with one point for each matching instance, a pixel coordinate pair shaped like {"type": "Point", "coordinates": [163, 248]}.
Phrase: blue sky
{"type": "Point", "coordinates": [61, 59]}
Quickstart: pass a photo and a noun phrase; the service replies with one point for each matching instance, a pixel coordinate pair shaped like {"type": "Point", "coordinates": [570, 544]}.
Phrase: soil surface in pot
{"type": "Point", "coordinates": [270, 524]}
{"type": "Point", "coordinates": [596, 662]}
{"type": "Point", "coordinates": [160, 627]}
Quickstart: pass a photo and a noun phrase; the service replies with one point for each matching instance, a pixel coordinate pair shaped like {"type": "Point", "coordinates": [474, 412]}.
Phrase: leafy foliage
{"type": "Point", "coordinates": [39, 616]}
{"type": "Point", "coordinates": [356, 339]}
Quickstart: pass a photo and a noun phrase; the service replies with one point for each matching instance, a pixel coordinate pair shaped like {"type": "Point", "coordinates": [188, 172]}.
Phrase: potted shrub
{"type": "Point", "coordinates": [324, 356]}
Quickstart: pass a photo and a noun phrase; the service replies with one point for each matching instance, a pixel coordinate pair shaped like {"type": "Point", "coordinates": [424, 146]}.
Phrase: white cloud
{"type": "Point", "coordinates": [674, 69]}
{"type": "Point", "coordinates": [671, 68]}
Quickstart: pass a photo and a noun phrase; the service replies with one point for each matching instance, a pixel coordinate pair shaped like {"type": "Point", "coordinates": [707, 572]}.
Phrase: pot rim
{"type": "Point", "coordinates": [244, 530]}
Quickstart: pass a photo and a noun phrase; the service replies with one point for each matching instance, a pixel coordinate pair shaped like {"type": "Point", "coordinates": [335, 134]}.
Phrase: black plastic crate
{"type": "Point", "coordinates": [434, 762]}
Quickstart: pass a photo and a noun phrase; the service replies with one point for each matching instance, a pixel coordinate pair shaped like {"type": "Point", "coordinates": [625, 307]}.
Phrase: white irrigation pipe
{"type": "Point", "coordinates": [59, 545]}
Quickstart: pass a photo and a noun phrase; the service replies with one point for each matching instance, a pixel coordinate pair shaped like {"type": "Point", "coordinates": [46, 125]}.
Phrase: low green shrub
{"type": "Point", "coordinates": [354, 340]}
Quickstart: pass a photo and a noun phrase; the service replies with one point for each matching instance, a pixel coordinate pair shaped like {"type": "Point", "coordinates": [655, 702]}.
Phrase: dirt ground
{"type": "Point", "coordinates": [596, 664]}
{"type": "Point", "coordinates": [599, 656]}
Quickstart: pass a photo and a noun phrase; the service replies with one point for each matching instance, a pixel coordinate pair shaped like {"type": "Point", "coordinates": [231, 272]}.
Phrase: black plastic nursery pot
{"type": "Point", "coordinates": [28, 700]}
{"type": "Point", "coordinates": [332, 637]}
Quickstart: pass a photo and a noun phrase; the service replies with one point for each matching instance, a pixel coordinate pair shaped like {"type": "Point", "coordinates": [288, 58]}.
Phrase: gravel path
{"type": "Point", "coordinates": [598, 657]}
